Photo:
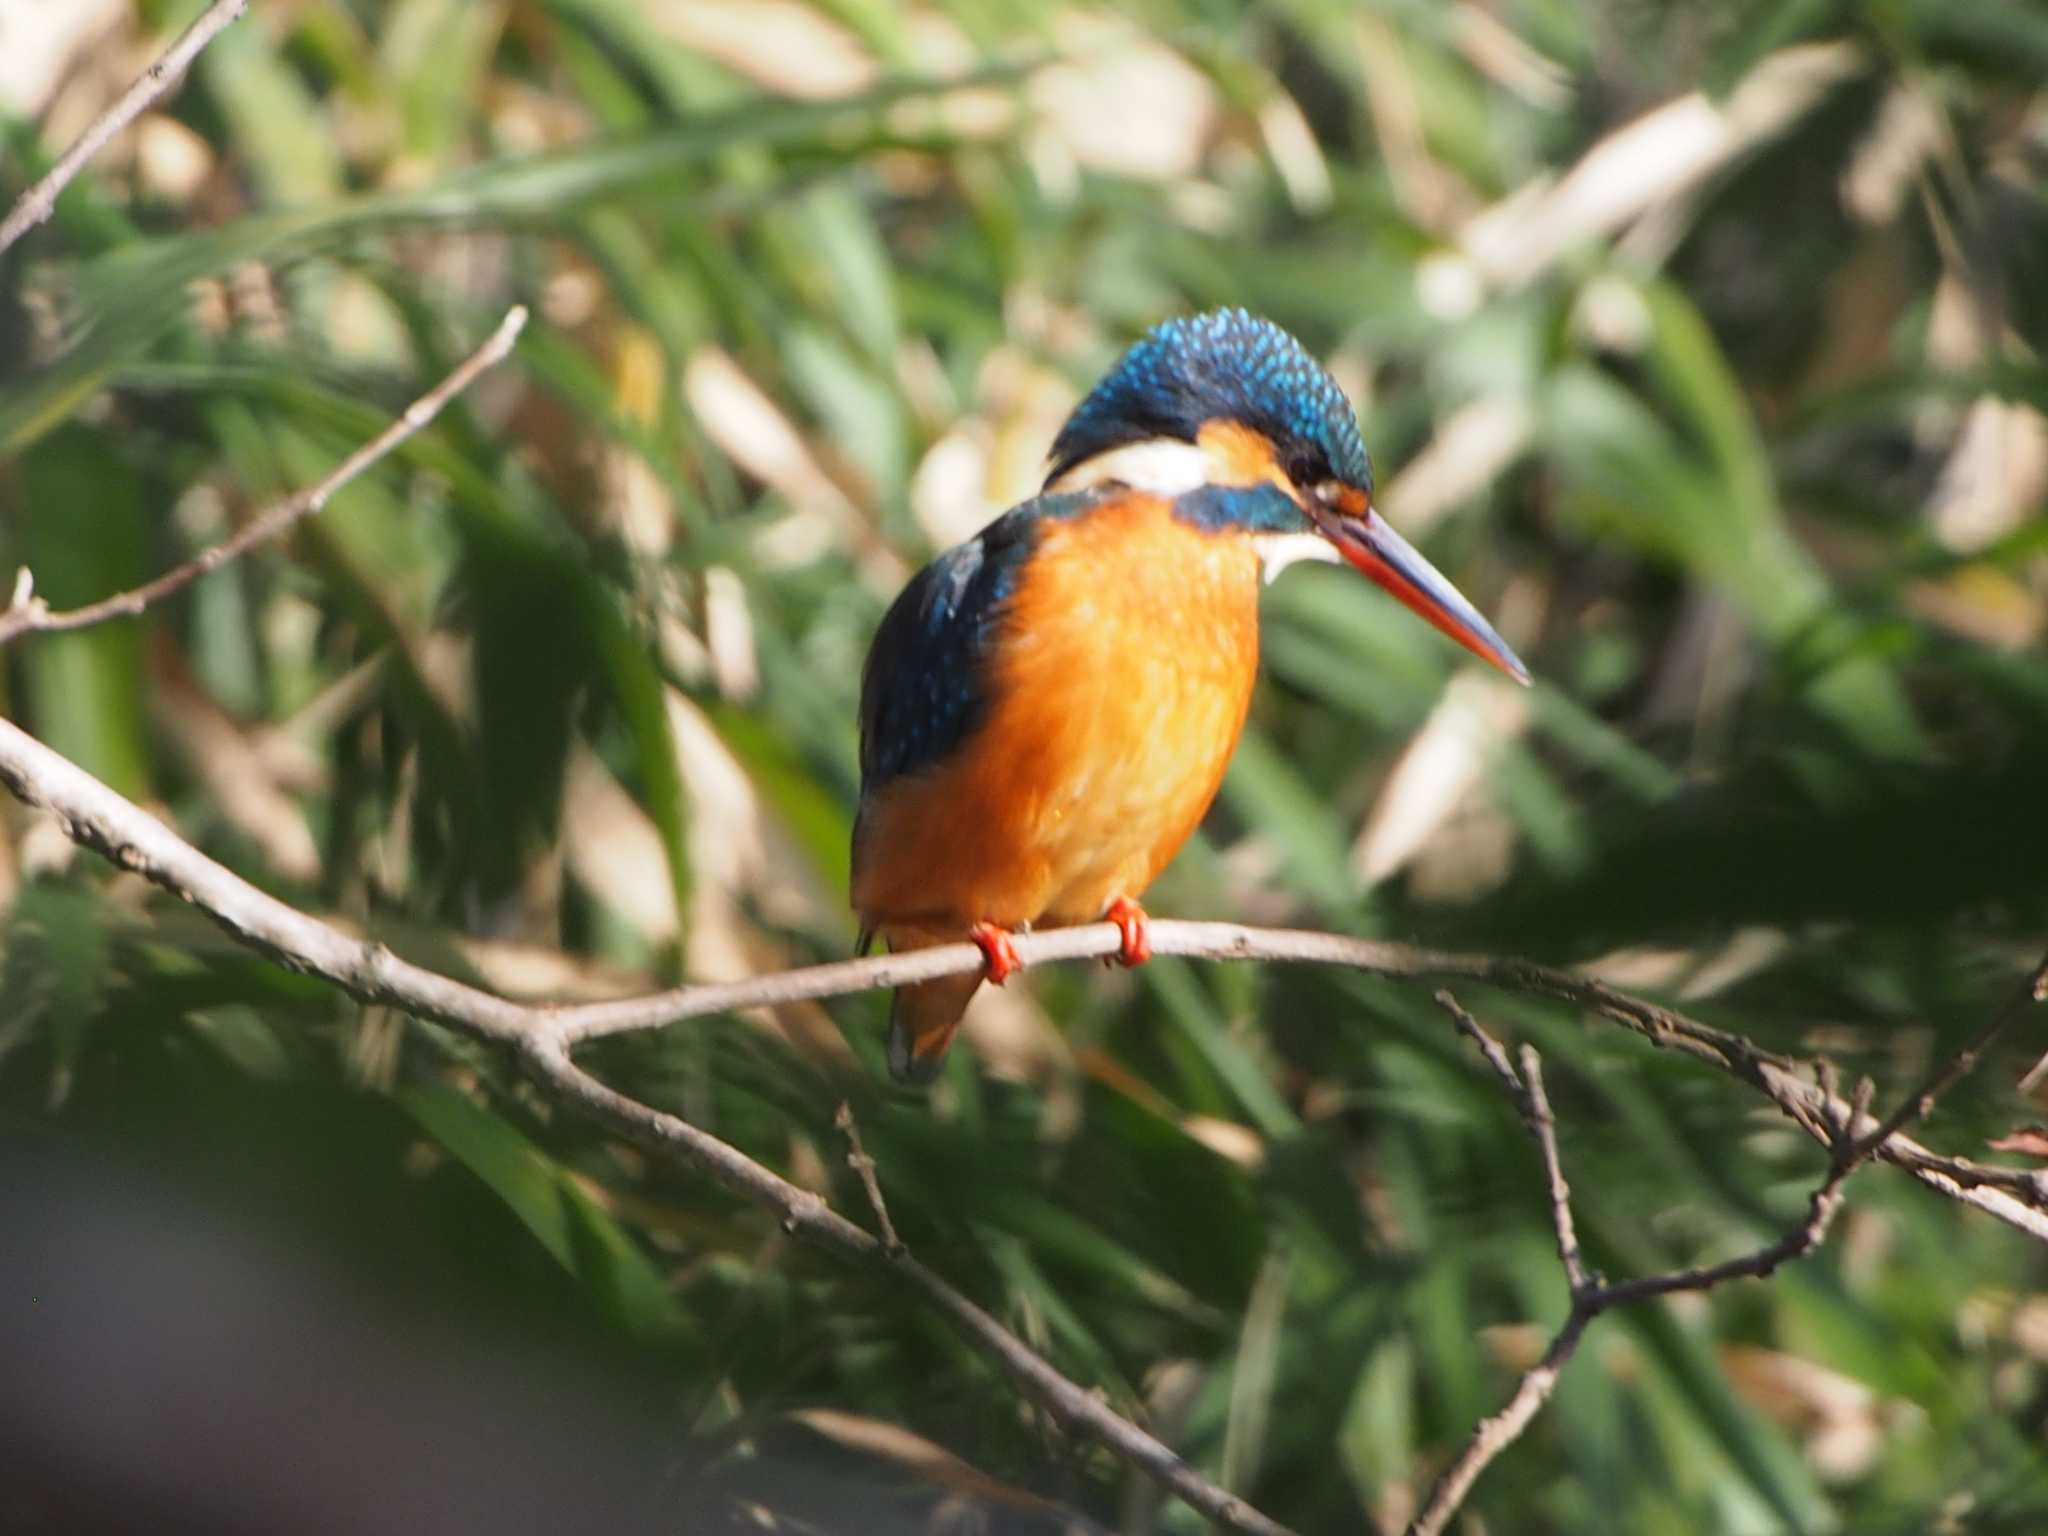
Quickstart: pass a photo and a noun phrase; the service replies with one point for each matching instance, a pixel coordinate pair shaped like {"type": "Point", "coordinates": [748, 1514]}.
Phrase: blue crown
{"type": "Point", "coordinates": [1225, 365]}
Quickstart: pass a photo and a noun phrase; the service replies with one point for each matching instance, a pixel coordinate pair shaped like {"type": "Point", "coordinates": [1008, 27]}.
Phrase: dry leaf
{"type": "Point", "coordinates": [38, 42]}
{"type": "Point", "coordinates": [782, 46]}
{"type": "Point", "coordinates": [1437, 772]}
{"type": "Point", "coordinates": [1125, 106]}
{"type": "Point", "coordinates": [1469, 451]}
{"type": "Point", "coordinates": [2027, 1140]}
{"type": "Point", "coordinates": [1654, 160]}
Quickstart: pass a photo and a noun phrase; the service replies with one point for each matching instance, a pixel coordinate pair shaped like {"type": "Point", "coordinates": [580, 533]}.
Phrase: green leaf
{"type": "Point", "coordinates": [1377, 1439]}
{"type": "Point", "coordinates": [580, 1236]}
{"type": "Point", "coordinates": [272, 115]}
{"type": "Point", "coordinates": [56, 965]}
{"type": "Point", "coordinates": [134, 296]}
{"type": "Point", "coordinates": [1241, 1069]}
{"type": "Point", "coordinates": [79, 512]}
{"type": "Point", "coordinates": [1275, 801]}
{"type": "Point", "coordinates": [1255, 1372]}
{"type": "Point", "coordinates": [640, 695]}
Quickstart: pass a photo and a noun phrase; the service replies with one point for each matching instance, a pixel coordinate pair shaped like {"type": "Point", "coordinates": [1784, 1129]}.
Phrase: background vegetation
{"type": "Point", "coordinates": [1697, 342]}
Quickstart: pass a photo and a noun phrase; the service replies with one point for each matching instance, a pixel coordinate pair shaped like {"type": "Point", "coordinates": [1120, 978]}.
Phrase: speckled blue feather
{"type": "Point", "coordinates": [1226, 365]}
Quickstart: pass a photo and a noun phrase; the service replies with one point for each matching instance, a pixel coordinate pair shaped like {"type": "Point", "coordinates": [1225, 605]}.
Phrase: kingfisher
{"type": "Point", "coordinates": [1047, 709]}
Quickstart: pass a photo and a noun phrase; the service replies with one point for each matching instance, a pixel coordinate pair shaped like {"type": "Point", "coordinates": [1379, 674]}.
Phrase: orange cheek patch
{"type": "Point", "coordinates": [1241, 456]}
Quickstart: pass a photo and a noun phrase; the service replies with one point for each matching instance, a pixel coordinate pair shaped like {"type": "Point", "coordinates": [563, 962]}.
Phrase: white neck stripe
{"type": "Point", "coordinates": [1163, 466]}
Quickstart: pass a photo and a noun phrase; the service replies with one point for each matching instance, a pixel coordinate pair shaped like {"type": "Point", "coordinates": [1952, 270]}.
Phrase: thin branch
{"type": "Point", "coordinates": [806, 1217]}
{"type": "Point", "coordinates": [2018, 1197]}
{"type": "Point", "coordinates": [98, 818]}
{"type": "Point", "coordinates": [1495, 1433]}
{"type": "Point", "coordinates": [162, 77]}
{"type": "Point", "coordinates": [543, 1037]}
{"type": "Point", "coordinates": [30, 614]}
{"type": "Point", "coordinates": [1591, 1295]}
{"type": "Point", "coordinates": [95, 816]}
{"type": "Point", "coordinates": [1918, 1104]}
{"type": "Point", "coordinates": [1543, 1124]}
{"type": "Point", "coordinates": [863, 1167]}
{"type": "Point", "coordinates": [1526, 1089]}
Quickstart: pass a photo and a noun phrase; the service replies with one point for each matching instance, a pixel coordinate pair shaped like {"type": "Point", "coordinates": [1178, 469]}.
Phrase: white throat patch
{"type": "Point", "coordinates": [1277, 551]}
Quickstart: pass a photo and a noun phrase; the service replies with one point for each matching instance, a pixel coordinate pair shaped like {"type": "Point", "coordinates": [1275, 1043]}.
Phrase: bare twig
{"type": "Point", "coordinates": [1494, 1434]}
{"type": "Point", "coordinates": [1543, 1125]}
{"type": "Point", "coordinates": [162, 77]}
{"type": "Point", "coordinates": [95, 816]}
{"type": "Point", "coordinates": [542, 1038]}
{"type": "Point", "coordinates": [29, 613]}
{"type": "Point", "coordinates": [864, 1168]}
{"type": "Point", "coordinates": [98, 818]}
{"type": "Point", "coordinates": [1918, 1104]}
{"type": "Point", "coordinates": [806, 1217]}
{"type": "Point", "coordinates": [1590, 1294]}
{"type": "Point", "coordinates": [1526, 1089]}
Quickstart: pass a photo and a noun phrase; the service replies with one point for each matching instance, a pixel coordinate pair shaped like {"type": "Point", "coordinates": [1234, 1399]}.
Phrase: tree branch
{"type": "Point", "coordinates": [543, 1037]}
{"type": "Point", "coordinates": [95, 816]}
{"type": "Point", "coordinates": [30, 614]}
{"type": "Point", "coordinates": [98, 818]}
{"type": "Point", "coordinates": [162, 77]}
{"type": "Point", "coordinates": [863, 1167]}
{"type": "Point", "coordinates": [1591, 1295]}
{"type": "Point", "coordinates": [1918, 1104]}
{"type": "Point", "coordinates": [806, 1217]}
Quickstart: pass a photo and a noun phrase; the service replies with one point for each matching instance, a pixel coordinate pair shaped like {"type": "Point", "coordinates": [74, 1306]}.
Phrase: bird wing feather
{"type": "Point", "coordinates": [925, 686]}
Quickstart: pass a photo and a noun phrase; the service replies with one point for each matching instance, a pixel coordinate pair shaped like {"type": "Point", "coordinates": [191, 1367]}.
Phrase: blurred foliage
{"type": "Point", "coordinates": [1699, 344]}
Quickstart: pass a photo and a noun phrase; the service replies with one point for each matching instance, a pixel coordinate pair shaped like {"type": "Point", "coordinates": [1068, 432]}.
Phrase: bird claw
{"type": "Point", "coordinates": [998, 954]}
{"type": "Point", "coordinates": [1130, 922]}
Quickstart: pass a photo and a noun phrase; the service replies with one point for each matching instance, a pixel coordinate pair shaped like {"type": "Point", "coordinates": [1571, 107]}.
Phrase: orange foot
{"type": "Point", "coordinates": [998, 954]}
{"type": "Point", "coordinates": [1130, 921]}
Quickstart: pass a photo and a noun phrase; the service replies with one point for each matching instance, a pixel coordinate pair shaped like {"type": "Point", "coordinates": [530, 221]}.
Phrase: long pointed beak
{"type": "Point", "coordinates": [1364, 539]}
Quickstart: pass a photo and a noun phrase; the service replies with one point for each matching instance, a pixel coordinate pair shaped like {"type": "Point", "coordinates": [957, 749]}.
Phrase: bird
{"type": "Point", "coordinates": [1048, 708]}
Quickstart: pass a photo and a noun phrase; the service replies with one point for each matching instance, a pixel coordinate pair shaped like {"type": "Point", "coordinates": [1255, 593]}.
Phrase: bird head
{"type": "Point", "coordinates": [1223, 410]}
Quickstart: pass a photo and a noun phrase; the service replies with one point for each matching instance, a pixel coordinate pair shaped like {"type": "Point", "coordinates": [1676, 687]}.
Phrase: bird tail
{"type": "Point", "coordinates": [922, 1022]}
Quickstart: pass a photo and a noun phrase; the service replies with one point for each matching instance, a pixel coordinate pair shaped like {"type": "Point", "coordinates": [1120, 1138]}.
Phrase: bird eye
{"type": "Point", "coordinates": [1329, 493]}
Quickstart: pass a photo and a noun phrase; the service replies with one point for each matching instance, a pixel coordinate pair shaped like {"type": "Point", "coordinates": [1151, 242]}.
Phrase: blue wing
{"type": "Point", "coordinates": [925, 687]}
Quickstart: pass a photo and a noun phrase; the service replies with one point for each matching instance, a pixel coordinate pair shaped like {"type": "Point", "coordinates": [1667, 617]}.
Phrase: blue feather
{"type": "Point", "coordinates": [1261, 508]}
{"type": "Point", "coordinates": [925, 688]}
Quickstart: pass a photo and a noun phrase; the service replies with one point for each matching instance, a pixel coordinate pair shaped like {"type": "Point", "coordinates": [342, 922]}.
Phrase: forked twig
{"type": "Point", "coordinates": [1591, 1295]}
{"type": "Point", "coordinates": [863, 1167]}
{"type": "Point", "coordinates": [542, 1039]}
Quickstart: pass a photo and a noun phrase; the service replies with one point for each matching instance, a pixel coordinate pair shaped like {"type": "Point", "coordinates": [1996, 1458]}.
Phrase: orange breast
{"type": "Point", "coordinates": [1120, 687]}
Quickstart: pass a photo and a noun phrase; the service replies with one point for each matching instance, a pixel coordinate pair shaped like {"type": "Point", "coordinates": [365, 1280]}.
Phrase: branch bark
{"type": "Point", "coordinates": [93, 815]}
{"type": "Point", "coordinates": [28, 613]}
{"type": "Point", "coordinates": [540, 1038]}
{"type": "Point", "coordinates": [1591, 1295]}
{"type": "Point", "coordinates": [543, 1038]}
{"type": "Point", "coordinates": [162, 77]}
